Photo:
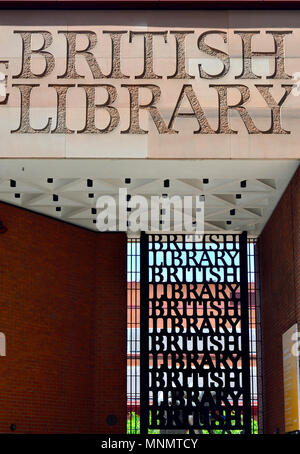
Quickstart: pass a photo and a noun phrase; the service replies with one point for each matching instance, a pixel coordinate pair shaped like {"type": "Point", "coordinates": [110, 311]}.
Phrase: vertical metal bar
{"type": "Point", "coordinates": [138, 315]}
{"type": "Point", "coordinates": [131, 337]}
{"type": "Point", "coordinates": [250, 324]}
{"type": "Point", "coordinates": [130, 366]}
{"type": "Point", "coordinates": [144, 333]}
{"type": "Point", "coordinates": [260, 402]}
{"type": "Point", "coordinates": [252, 345]}
{"type": "Point", "coordinates": [128, 362]}
{"type": "Point", "coordinates": [245, 334]}
{"type": "Point", "coordinates": [128, 373]}
{"type": "Point", "coordinates": [133, 334]}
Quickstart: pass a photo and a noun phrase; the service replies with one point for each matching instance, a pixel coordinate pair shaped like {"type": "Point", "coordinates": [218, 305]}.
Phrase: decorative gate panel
{"type": "Point", "coordinates": [195, 371]}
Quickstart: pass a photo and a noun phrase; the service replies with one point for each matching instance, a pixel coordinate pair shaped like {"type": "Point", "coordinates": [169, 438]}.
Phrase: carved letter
{"type": "Point", "coordinates": [71, 72]}
{"type": "Point", "coordinates": [134, 125]}
{"type": "Point", "coordinates": [114, 116]}
{"type": "Point", "coordinates": [24, 127]}
{"type": "Point", "coordinates": [198, 113]}
{"type": "Point", "coordinates": [224, 109]}
{"type": "Point", "coordinates": [180, 72]}
{"type": "Point", "coordinates": [27, 53]}
{"type": "Point", "coordinates": [214, 53]}
{"type": "Point", "coordinates": [116, 72]}
{"type": "Point", "coordinates": [148, 72]}
{"type": "Point", "coordinates": [61, 127]}
{"type": "Point", "coordinates": [278, 53]}
{"type": "Point", "coordinates": [275, 107]}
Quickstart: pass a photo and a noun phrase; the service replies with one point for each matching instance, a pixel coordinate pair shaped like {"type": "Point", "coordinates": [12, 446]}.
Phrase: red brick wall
{"type": "Point", "coordinates": [54, 378]}
{"type": "Point", "coordinates": [110, 331]}
{"type": "Point", "coordinates": [280, 293]}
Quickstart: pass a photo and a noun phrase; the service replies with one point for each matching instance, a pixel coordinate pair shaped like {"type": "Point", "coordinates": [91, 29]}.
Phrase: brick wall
{"type": "Point", "coordinates": [53, 311]}
{"type": "Point", "coordinates": [110, 331]}
{"type": "Point", "coordinates": [280, 284]}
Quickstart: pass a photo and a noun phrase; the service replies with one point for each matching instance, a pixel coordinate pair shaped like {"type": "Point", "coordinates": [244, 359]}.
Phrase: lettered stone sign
{"type": "Point", "coordinates": [152, 84]}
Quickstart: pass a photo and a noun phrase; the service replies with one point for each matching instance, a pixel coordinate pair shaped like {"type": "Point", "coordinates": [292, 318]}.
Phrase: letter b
{"type": "Point", "coordinates": [26, 72]}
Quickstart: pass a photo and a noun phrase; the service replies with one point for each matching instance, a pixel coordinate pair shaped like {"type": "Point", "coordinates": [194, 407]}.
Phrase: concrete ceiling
{"type": "Point", "coordinates": [59, 188]}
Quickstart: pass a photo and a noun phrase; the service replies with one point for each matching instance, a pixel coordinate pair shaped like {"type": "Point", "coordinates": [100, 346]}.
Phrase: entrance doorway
{"type": "Point", "coordinates": [215, 358]}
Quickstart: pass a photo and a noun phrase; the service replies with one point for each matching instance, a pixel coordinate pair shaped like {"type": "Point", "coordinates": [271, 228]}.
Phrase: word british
{"type": "Point", "coordinates": [105, 117]}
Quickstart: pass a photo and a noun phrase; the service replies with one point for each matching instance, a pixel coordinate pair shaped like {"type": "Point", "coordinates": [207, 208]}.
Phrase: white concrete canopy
{"type": "Point", "coordinates": [32, 183]}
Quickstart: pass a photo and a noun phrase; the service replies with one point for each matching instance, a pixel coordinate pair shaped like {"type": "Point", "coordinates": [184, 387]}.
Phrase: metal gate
{"type": "Point", "coordinates": [195, 372]}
